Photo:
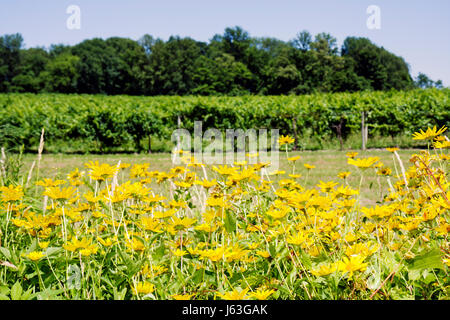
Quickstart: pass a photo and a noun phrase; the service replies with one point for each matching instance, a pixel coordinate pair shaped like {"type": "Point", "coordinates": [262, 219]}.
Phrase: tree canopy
{"type": "Point", "coordinates": [232, 63]}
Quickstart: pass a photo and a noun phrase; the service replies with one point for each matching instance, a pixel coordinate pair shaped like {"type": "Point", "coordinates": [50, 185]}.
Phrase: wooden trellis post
{"type": "Point", "coordinates": [364, 131]}
{"type": "Point", "coordinates": [178, 137]}
{"type": "Point", "coordinates": [294, 129]}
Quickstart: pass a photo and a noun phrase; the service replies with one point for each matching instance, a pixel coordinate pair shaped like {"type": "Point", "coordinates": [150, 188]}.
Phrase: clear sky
{"type": "Point", "coordinates": [417, 30]}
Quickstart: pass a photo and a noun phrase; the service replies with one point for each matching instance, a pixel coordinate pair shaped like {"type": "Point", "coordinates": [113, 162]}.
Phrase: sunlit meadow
{"type": "Point", "coordinates": [195, 231]}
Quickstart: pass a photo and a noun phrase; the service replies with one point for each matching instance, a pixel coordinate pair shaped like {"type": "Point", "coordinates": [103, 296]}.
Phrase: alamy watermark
{"type": "Point", "coordinates": [74, 277]}
{"type": "Point", "coordinates": [73, 22]}
{"type": "Point", "coordinates": [227, 147]}
{"type": "Point", "coordinates": [374, 20]}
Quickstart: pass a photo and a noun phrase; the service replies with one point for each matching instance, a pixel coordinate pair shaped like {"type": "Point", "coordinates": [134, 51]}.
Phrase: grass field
{"type": "Point", "coordinates": [327, 165]}
{"type": "Point", "coordinates": [197, 231]}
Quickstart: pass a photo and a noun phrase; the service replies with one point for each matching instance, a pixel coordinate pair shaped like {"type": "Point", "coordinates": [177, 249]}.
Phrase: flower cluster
{"type": "Point", "coordinates": [237, 233]}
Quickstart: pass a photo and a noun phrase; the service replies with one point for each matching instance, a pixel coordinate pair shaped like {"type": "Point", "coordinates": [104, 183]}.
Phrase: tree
{"type": "Point", "coordinates": [61, 74]}
{"type": "Point", "coordinates": [302, 41]}
{"type": "Point", "coordinates": [232, 76]}
{"type": "Point", "coordinates": [9, 59]}
{"type": "Point", "coordinates": [282, 74]}
{"type": "Point", "coordinates": [32, 62]}
{"type": "Point", "coordinates": [172, 66]}
{"type": "Point", "coordinates": [325, 44]}
{"type": "Point", "coordinates": [232, 63]}
{"type": "Point", "coordinates": [235, 41]}
{"type": "Point", "coordinates": [383, 69]}
{"type": "Point", "coordinates": [112, 66]}
{"type": "Point", "coordinates": [422, 81]}
{"type": "Point", "coordinates": [129, 63]}
{"type": "Point", "coordinates": [57, 49]}
{"type": "Point", "coordinates": [147, 42]}
{"type": "Point", "coordinates": [438, 84]}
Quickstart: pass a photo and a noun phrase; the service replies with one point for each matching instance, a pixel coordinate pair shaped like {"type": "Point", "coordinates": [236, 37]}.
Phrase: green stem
{"type": "Point", "coordinates": [41, 283]}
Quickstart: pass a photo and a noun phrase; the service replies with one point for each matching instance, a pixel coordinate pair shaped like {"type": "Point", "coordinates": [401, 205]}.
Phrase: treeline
{"type": "Point", "coordinates": [233, 63]}
{"type": "Point", "coordinates": [99, 123]}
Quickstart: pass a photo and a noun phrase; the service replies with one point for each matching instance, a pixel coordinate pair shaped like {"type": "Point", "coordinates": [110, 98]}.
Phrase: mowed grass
{"type": "Point", "coordinates": [327, 165]}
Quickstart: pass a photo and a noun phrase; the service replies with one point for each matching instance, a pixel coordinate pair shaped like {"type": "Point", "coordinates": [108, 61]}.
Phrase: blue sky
{"type": "Point", "coordinates": [417, 30]}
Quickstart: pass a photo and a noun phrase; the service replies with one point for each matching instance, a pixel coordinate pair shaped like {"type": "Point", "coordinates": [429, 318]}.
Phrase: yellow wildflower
{"type": "Point", "coordinates": [282, 140]}
{"type": "Point", "coordinates": [324, 270]}
{"type": "Point", "coordinates": [234, 295]}
{"type": "Point", "coordinates": [179, 253]}
{"type": "Point", "coordinates": [430, 134]}
{"type": "Point", "coordinates": [102, 171]}
{"type": "Point", "coordinates": [351, 155]}
{"type": "Point", "coordinates": [35, 255]}
{"type": "Point", "coordinates": [49, 183]}
{"type": "Point", "coordinates": [363, 163]}
{"type": "Point", "coordinates": [143, 288]}
{"type": "Point", "coordinates": [344, 174]}
{"type": "Point", "coordinates": [11, 193]}
{"type": "Point", "coordinates": [59, 194]}
{"type": "Point", "coordinates": [261, 294]}
{"type": "Point", "coordinates": [352, 264]}
{"type": "Point", "coordinates": [182, 296]}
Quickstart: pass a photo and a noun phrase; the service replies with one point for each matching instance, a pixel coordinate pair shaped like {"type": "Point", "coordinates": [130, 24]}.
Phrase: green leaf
{"type": "Point", "coordinates": [276, 294]}
{"type": "Point", "coordinates": [123, 293]}
{"type": "Point", "coordinates": [5, 252]}
{"type": "Point", "coordinates": [180, 276]}
{"type": "Point", "coordinates": [107, 281]}
{"type": "Point", "coordinates": [33, 246]}
{"type": "Point", "coordinates": [292, 275]}
{"type": "Point", "coordinates": [398, 294]}
{"type": "Point", "coordinates": [230, 222]}
{"type": "Point", "coordinates": [16, 291]}
{"type": "Point", "coordinates": [282, 252]}
{"type": "Point", "coordinates": [52, 251]}
{"type": "Point", "coordinates": [3, 297]}
{"type": "Point", "coordinates": [428, 278]}
{"type": "Point", "coordinates": [4, 290]}
{"type": "Point", "coordinates": [272, 250]}
{"type": "Point", "coordinates": [159, 252]}
{"type": "Point", "coordinates": [149, 296]}
{"type": "Point", "coordinates": [431, 259]}
{"type": "Point", "coordinates": [132, 267]}
{"type": "Point", "coordinates": [374, 281]}
{"type": "Point", "coordinates": [31, 275]}
{"type": "Point", "coordinates": [197, 277]}
{"type": "Point", "coordinates": [119, 295]}
{"type": "Point", "coordinates": [306, 260]}
{"type": "Point", "coordinates": [27, 295]}
{"type": "Point", "coordinates": [49, 294]}
{"type": "Point", "coordinates": [414, 275]}
{"type": "Point", "coordinates": [235, 277]}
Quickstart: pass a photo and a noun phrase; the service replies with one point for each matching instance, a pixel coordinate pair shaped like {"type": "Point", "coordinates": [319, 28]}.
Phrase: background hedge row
{"type": "Point", "coordinates": [99, 123]}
